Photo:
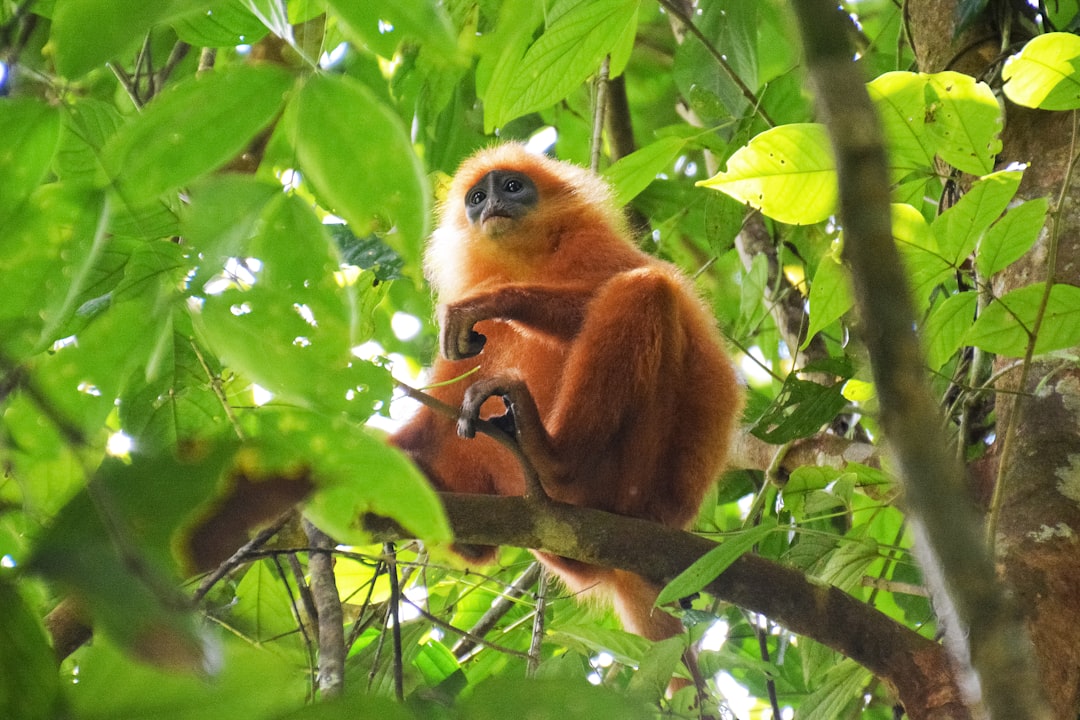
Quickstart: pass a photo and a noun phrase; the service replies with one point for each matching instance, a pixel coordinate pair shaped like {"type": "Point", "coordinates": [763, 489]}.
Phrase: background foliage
{"type": "Point", "coordinates": [213, 215]}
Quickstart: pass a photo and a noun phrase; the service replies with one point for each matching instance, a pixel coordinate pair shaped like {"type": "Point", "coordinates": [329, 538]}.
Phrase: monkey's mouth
{"type": "Point", "coordinates": [496, 222]}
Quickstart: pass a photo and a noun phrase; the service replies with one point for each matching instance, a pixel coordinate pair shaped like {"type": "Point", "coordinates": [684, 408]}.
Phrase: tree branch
{"type": "Point", "coordinates": [914, 667]}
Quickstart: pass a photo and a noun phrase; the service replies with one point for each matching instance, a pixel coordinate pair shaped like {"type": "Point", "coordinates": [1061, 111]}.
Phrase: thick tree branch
{"type": "Point", "coordinates": [982, 624]}
{"type": "Point", "coordinates": [914, 667]}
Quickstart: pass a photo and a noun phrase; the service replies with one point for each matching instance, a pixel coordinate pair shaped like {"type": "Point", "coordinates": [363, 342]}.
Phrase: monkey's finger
{"type": "Point", "coordinates": [466, 428]}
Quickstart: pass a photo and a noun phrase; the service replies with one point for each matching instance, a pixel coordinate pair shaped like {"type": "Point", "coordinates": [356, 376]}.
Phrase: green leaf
{"type": "Point", "coordinates": [578, 35]}
{"type": "Point", "coordinates": [37, 249]}
{"type": "Point", "coordinates": [293, 328]}
{"type": "Point", "coordinates": [194, 127]}
{"type": "Point", "coordinates": [123, 568]}
{"type": "Point", "coordinates": [805, 481]}
{"type": "Point", "coordinates": [112, 685]}
{"type": "Point", "coordinates": [364, 474]}
{"type": "Point", "coordinates": [959, 228]}
{"type": "Point", "coordinates": [497, 699]}
{"type": "Point", "coordinates": [1004, 326]}
{"type": "Point", "coordinates": [830, 297]}
{"type": "Point", "coordinates": [787, 172]}
{"type": "Point", "coordinates": [706, 568]}
{"type": "Point", "coordinates": [1045, 73]}
{"type": "Point", "coordinates": [88, 125]}
{"type": "Point", "coordinates": [900, 99]}
{"type": "Point", "coordinates": [383, 25]}
{"type": "Point", "coordinates": [842, 689]}
{"type": "Point", "coordinates": [1011, 237]}
{"type": "Point", "coordinates": [118, 25]}
{"type": "Point", "coordinates": [752, 311]}
{"type": "Point", "coordinates": [963, 120]}
{"type": "Point", "coordinates": [633, 173]}
{"type": "Point", "coordinates": [31, 131]}
{"type": "Point", "coordinates": [657, 666]}
{"type": "Point", "coordinates": [263, 611]}
{"type": "Point", "coordinates": [29, 687]}
{"type": "Point", "coordinates": [848, 563]}
{"type": "Point", "coordinates": [944, 331]}
{"type": "Point", "coordinates": [226, 23]}
{"type": "Point", "coordinates": [801, 410]}
{"type": "Point", "coordinates": [926, 265]}
{"type": "Point", "coordinates": [357, 155]}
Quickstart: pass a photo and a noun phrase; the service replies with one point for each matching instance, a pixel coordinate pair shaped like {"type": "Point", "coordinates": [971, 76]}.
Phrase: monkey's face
{"type": "Point", "coordinates": [501, 198]}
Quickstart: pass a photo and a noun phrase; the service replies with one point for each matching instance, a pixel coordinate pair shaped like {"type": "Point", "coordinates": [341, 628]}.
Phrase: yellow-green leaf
{"type": "Point", "coordinates": [963, 119]}
{"type": "Point", "coordinates": [787, 172]}
{"type": "Point", "coordinates": [1045, 73]}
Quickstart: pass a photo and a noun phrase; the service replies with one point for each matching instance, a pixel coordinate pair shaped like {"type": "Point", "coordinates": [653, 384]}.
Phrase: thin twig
{"type": "Point", "coordinates": [241, 555]}
{"type": "Point", "coordinates": [538, 624]}
{"type": "Point", "coordinates": [395, 617]}
{"type": "Point", "coordinates": [599, 111]}
{"type": "Point", "coordinates": [502, 605]}
{"type": "Point", "coordinates": [465, 634]}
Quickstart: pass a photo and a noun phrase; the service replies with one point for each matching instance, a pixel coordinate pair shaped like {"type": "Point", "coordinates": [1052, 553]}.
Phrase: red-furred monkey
{"type": "Point", "coordinates": [610, 365]}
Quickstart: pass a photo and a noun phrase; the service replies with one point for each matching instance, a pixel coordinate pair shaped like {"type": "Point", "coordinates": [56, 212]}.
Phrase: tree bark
{"type": "Point", "coordinates": [1036, 531]}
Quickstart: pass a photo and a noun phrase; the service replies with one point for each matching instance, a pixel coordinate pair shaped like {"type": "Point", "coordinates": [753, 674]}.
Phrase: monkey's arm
{"type": "Point", "coordinates": [556, 310]}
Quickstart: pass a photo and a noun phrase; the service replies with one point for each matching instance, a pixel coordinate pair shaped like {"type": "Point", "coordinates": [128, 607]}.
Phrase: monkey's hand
{"type": "Point", "coordinates": [457, 339]}
{"type": "Point", "coordinates": [521, 421]}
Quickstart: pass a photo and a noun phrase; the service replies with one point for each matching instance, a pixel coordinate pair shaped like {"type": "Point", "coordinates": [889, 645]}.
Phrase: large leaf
{"type": "Point", "coordinates": [227, 23]}
{"type": "Point", "coordinates": [900, 99]}
{"type": "Point", "coordinates": [578, 35]}
{"type": "Point", "coordinates": [357, 155]}
{"type": "Point", "coordinates": [963, 119]}
{"type": "Point", "coordinates": [926, 264]}
{"type": "Point", "coordinates": [30, 130]}
{"type": "Point", "coordinates": [1011, 236]}
{"type": "Point", "coordinates": [239, 681]}
{"type": "Point", "coordinates": [193, 128]}
{"type": "Point", "coordinates": [787, 172]}
{"type": "Point", "coordinates": [117, 26]}
{"type": "Point", "coordinates": [801, 410]}
{"type": "Point", "coordinates": [633, 173]}
{"type": "Point", "coordinates": [959, 228]}
{"type": "Point", "coordinates": [382, 25]}
{"type": "Point", "coordinates": [830, 297]}
{"type": "Point", "coordinates": [944, 331]}
{"type": "Point", "coordinates": [1005, 326]}
{"type": "Point", "coordinates": [1045, 73]}
{"type": "Point", "coordinates": [29, 688]}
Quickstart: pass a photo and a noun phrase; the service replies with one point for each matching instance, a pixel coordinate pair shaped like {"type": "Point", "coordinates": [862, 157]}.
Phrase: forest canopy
{"type": "Point", "coordinates": [212, 222]}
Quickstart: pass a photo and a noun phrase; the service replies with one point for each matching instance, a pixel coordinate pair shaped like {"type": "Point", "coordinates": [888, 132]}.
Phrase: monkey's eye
{"type": "Point", "coordinates": [476, 197]}
{"type": "Point", "coordinates": [513, 185]}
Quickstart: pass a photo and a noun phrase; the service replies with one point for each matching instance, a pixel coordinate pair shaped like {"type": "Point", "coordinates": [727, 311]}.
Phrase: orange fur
{"type": "Point", "coordinates": [636, 397]}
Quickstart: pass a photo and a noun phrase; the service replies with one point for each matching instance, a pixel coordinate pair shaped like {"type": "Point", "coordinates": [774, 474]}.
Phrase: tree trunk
{"type": "Point", "coordinates": [1036, 541]}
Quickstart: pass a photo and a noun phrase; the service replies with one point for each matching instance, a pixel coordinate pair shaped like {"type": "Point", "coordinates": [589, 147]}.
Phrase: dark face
{"type": "Point", "coordinates": [501, 198]}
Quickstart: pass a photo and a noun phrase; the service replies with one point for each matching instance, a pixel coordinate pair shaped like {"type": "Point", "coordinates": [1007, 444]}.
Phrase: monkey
{"type": "Point", "coordinates": [600, 357]}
